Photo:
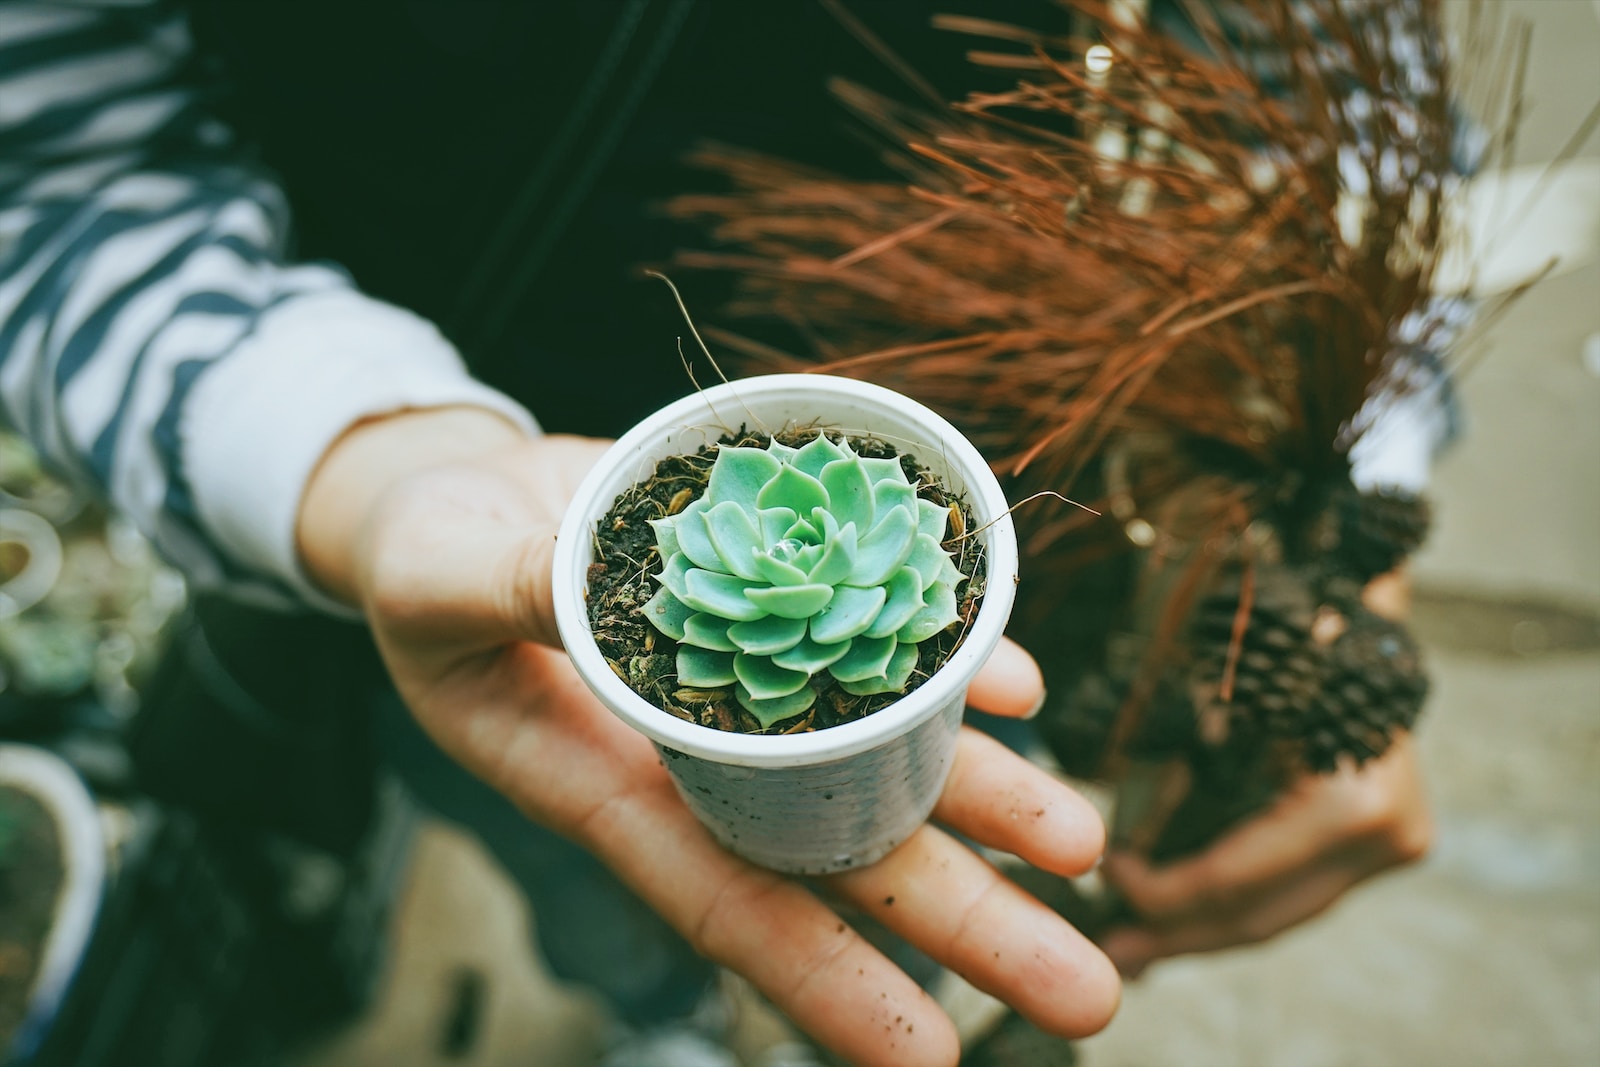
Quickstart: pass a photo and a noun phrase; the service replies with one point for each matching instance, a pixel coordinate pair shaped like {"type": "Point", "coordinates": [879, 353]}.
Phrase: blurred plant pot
{"type": "Point", "coordinates": [54, 865]}
{"type": "Point", "coordinates": [837, 798]}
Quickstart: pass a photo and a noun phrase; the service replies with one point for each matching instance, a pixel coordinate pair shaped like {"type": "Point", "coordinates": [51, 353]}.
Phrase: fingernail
{"type": "Point", "coordinates": [1038, 705]}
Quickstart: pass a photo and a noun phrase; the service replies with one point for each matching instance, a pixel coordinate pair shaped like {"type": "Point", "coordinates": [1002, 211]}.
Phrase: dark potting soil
{"type": "Point", "coordinates": [31, 872]}
{"type": "Point", "coordinates": [621, 581]}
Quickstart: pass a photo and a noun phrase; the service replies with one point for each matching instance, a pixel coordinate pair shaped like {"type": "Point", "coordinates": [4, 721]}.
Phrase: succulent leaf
{"type": "Point", "coordinates": [938, 611]}
{"type": "Point", "coordinates": [868, 658]}
{"type": "Point", "coordinates": [813, 456]}
{"type": "Point", "coordinates": [849, 492]}
{"type": "Point", "coordinates": [768, 636]}
{"type": "Point", "coordinates": [810, 556]}
{"type": "Point", "coordinates": [836, 560]}
{"type": "Point", "coordinates": [764, 679]}
{"type": "Point", "coordinates": [775, 524]}
{"type": "Point", "coordinates": [673, 574]}
{"type": "Point", "coordinates": [710, 632]}
{"type": "Point", "coordinates": [703, 668]}
{"type": "Point", "coordinates": [777, 572]}
{"type": "Point", "coordinates": [889, 496]}
{"type": "Point", "coordinates": [804, 532]}
{"type": "Point", "coordinates": [793, 601]}
{"type": "Point", "coordinates": [885, 550]}
{"type": "Point", "coordinates": [822, 520]}
{"type": "Point", "coordinates": [932, 563]}
{"type": "Point", "coordinates": [666, 537]}
{"type": "Point", "coordinates": [720, 594]}
{"type": "Point", "coordinates": [894, 678]}
{"type": "Point", "coordinates": [905, 600]}
{"type": "Point", "coordinates": [740, 477]}
{"type": "Point", "coordinates": [849, 613]}
{"type": "Point", "coordinates": [932, 519]}
{"type": "Point", "coordinates": [667, 613]}
{"type": "Point", "coordinates": [695, 540]}
{"type": "Point", "coordinates": [901, 666]}
{"type": "Point", "coordinates": [768, 712]}
{"type": "Point", "coordinates": [735, 538]}
{"type": "Point", "coordinates": [792, 488]}
{"type": "Point", "coordinates": [797, 561]}
{"type": "Point", "coordinates": [811, 657]}
{"type": "Point", "coordinates": [881, 470]}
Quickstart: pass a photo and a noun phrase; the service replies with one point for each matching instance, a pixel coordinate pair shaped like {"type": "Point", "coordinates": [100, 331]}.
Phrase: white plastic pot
{"type": "Point", "coordinates": [56, 786]}
{"type": "Point", "coordinates": [833, 799]}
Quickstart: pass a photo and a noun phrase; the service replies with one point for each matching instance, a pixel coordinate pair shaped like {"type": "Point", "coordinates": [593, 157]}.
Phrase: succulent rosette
{"type": "Point", "coordinates": [797, 561]}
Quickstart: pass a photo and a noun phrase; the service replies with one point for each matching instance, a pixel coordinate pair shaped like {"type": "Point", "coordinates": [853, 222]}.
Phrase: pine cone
{"type": "Point", "coordinates": [1280, 668]}
{"type": "Point", "coordinates": [1078, 717]}
{"type": "Point", "coordinates": [1375, 685]}
{"type": "Point", "coordinates": [1357, 535]}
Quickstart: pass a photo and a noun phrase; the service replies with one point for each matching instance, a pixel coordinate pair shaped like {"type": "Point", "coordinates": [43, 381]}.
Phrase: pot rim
{"type": "Point", "coordinates": [53, 782]}
{"type": "Point", "coordinates": [707, 409]}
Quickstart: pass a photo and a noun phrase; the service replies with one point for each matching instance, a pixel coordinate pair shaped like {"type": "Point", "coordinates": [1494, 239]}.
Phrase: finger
{"type": "Point", "coordinates": [574, 767]}
{"type": "Point", "coordinates": [999, 799]}
{"type": "Point", "coordinates": [809, 963]}
{"type": "Point", "coordinates": [1133, 948]}
{"type": "Point", "coordinates": [945, 900]}
{"type": "Point", "coordinates": [1009, 684]}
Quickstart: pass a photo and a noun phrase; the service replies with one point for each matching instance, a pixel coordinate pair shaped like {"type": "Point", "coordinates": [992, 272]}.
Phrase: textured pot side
{"type": "Point", "coordinates": [830, 800]}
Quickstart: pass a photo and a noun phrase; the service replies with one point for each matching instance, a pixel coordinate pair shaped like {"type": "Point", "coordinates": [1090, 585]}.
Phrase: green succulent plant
{"type": "Point", "coordinates": [797, 561]}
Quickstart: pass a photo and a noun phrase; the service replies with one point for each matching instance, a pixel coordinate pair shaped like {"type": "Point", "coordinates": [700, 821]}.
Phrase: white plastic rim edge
{"type": "Point", "coordinates": [83, 854]}
{"type": "Point", "coordinates": [703, 417]}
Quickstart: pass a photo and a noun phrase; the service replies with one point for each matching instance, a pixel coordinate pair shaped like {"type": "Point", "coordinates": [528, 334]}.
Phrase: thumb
{"type": "Point", "coordinates": [465, 553]}
{"type": "Point", "coordinates": [477, 576]}
{"type": "Point", "coordinates": [520, 597]}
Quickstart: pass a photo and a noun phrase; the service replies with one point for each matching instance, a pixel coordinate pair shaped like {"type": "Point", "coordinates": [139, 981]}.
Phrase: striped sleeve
{"type": "Point", "coordinates": [155, 341]}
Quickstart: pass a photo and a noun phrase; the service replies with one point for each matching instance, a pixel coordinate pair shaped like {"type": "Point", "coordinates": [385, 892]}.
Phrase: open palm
{"type": "Point", "coordinates": [452, 568]}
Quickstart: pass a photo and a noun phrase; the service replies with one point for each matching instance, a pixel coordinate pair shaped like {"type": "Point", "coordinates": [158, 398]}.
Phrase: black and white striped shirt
{"type": "Point", "coordinates": [156, 340]}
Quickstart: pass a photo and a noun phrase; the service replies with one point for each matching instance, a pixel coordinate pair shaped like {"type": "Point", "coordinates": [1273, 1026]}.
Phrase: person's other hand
{"type": "Point", "coordinates": [1320, 839]}
{"type": "Point", "coordinates": [441, 525]}
{"type": "Point", "coordinates": [1325, 835]}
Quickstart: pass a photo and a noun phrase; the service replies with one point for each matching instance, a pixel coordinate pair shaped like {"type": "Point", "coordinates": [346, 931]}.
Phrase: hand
{"type": "Point", "coordinates": [1323, 836]}
{"type": "Point", "coordinates": [441, 526]}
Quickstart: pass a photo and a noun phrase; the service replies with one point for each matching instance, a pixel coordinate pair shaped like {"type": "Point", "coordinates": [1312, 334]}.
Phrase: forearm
{"type": "Point", "coordinates": [157, 343]}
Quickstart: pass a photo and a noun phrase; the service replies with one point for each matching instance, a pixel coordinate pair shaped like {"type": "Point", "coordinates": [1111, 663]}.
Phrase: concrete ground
{"type": "Point", "coordinates": [1487, 953]}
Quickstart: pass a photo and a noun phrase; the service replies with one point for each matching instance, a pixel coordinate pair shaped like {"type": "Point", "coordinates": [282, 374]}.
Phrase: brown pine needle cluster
{"type": "Point", "coordinates": [1159, 279]}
